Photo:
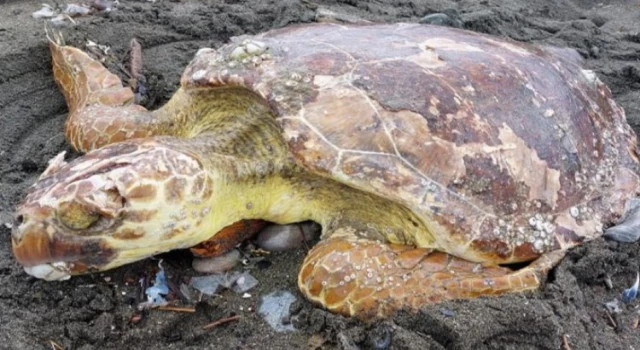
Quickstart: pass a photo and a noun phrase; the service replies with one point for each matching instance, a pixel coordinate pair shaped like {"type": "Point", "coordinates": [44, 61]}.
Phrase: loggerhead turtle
{"type": "Point", "coordinates": [431, 157]}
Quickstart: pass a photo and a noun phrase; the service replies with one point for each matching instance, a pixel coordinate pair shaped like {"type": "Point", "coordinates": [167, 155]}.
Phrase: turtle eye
{"type": "Point", "coordinates": [77, 216]}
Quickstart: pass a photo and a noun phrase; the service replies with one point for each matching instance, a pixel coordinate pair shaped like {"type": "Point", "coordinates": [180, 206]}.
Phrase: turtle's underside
{"type": "Point", "coordinates": [429, 155]}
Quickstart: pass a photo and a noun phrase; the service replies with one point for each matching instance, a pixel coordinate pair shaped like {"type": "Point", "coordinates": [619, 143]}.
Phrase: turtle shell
{"type": "Point", "coordinates": [506, 149]}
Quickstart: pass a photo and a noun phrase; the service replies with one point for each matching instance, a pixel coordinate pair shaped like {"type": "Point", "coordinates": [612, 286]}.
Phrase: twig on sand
{"type": "Point", "coordinates": [565, 343]}
{"type": "Point", "coordinates": [55, 346]}
{"type": "Point", "coordinates": [221, 321]}
{"type": "Point", "coordinates": [176, 308]}
{"type": "Point", "coordinates": [611, 320]}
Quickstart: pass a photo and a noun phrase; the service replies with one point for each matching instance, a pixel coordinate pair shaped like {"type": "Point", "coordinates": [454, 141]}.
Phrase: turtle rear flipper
{"type": "Point", "coordinates": [367, 279]}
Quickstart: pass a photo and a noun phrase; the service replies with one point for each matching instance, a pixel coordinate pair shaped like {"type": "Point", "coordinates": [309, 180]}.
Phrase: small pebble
{"type": "Point", "coordinates": [218, 264]}
{"type": "Point", "coordinates": [102, 5]}
{"type": "Point", "coordinates": [599, 20]}
{"type": "Point", "coordinates": [448, 19]}
{"type": "Point", "coordinates": [435, 18]}
{"type": "Point", "coordinates": [326, 15]}
{"type": "Point", "coordinates": [608, 282]}
{"type": "Point", "coordinates": [447, 312]}
{"type": "Point", "coordinates": [287, 237]}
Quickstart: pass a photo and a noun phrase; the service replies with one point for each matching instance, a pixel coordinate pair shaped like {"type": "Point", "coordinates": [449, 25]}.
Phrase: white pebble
{"type": "Point", "coordinates": [218, 264]}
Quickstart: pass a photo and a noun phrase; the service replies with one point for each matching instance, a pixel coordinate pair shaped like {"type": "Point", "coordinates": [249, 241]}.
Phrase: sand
{"type": "Point", "coordinates": [94, 312]}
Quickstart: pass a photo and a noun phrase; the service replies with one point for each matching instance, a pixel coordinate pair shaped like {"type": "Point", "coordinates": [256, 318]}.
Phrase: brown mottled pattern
{"type": "Point", "coordinates": [174, 189]}
{"type": "Point", "coordinates": [381, 279]}
{"type": "Point", "coordinates": [484, 149]}
{"type": "Point", "coordinates": [146, 192]}
{"type": "Point", "coordinates": [100, 182]}
{"type": "Point", "coordinates": [496, 142]}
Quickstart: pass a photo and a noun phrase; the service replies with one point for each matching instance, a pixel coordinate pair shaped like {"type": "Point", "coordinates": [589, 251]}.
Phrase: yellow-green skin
{"type": "Point", "coordinates": [307, 123]}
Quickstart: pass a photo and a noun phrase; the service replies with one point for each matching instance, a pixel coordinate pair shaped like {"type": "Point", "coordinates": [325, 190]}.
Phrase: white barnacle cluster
{"type": "Point", "coordinates": [604, 174]}
{"type": "Point", "coordinates": [580, 178]}
{"type": "Point", "coordinates": [249, 52]}
{"type": "Point", "coordinates": [181, 216]}
{"type": "Point", "coordinates": [539, 232]}
{"type": "Point", "coordinates": [169, 225]}
{"type": "Point", "coordinates": [199, 74]}
{"type": "Point", "coordinates": [559, 133]}
{"type": "Point", "coordinates": [583, 213]}
{"type": "Point", "coordinates": [290, 89]}
{"type": "Point", "coordinates": [204, 50]}
{"type": "Point", "coordinates": [294, 80]}
{"type": "Point", "coordinates": [596, 175]}
{"type": "Point", "coordinates": [590, 76]}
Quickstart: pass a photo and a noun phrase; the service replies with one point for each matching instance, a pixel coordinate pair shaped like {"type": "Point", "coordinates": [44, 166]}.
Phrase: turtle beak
{"type": "Point", "coordinates": [30, 247]}
{"type": "Point", "coordinates": [48, 254]}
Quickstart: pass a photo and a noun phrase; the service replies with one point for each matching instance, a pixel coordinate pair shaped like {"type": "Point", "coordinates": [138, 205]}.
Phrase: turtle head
{"type": "Point", "coordinates": [119, 204]}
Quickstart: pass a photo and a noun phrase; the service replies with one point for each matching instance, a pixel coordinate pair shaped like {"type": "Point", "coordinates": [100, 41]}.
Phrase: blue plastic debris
{"type": "Point", "coordinates": [630, 294]}
{"type": "Point", "coordinates": [275, 309]}
{"type": "Point", "coordinates": [159, 288]}
{"type": "Point", "coordinates": [447, 312]}
{"type": "Point", "coordinates": [208, 285]}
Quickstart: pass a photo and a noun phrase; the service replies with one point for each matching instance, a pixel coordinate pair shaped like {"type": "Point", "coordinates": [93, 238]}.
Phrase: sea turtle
{"type": "Point", "coordinates": [431, 157]}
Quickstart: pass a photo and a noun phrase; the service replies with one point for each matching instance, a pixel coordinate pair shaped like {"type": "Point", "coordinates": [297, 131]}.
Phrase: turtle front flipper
{"type": "Point", "coordinates": [368, 279]}
{"type": "Point", "coordinates": [101, 109]}
{"type": "Point", "coordinates": [227, 238]}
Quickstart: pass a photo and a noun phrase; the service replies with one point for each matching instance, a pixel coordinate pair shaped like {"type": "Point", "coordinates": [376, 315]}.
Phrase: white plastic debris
{"type": "Point", "coordinates": [61, 19]}
{"type": "Point", "coordinates": [74, 10]}
{"type": "Point", "coordinates": [244, 283]}
{"type": "Point", "coordinates": [613, 306]}
{"type": "Point", "coordinates": [275, 310]}
{"type": "Point", "coordinates": [93, 45]}
{"type": "Point", "coordinates": [45, 12]}
{"type": "Point", "coordinates": [211, 284]}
